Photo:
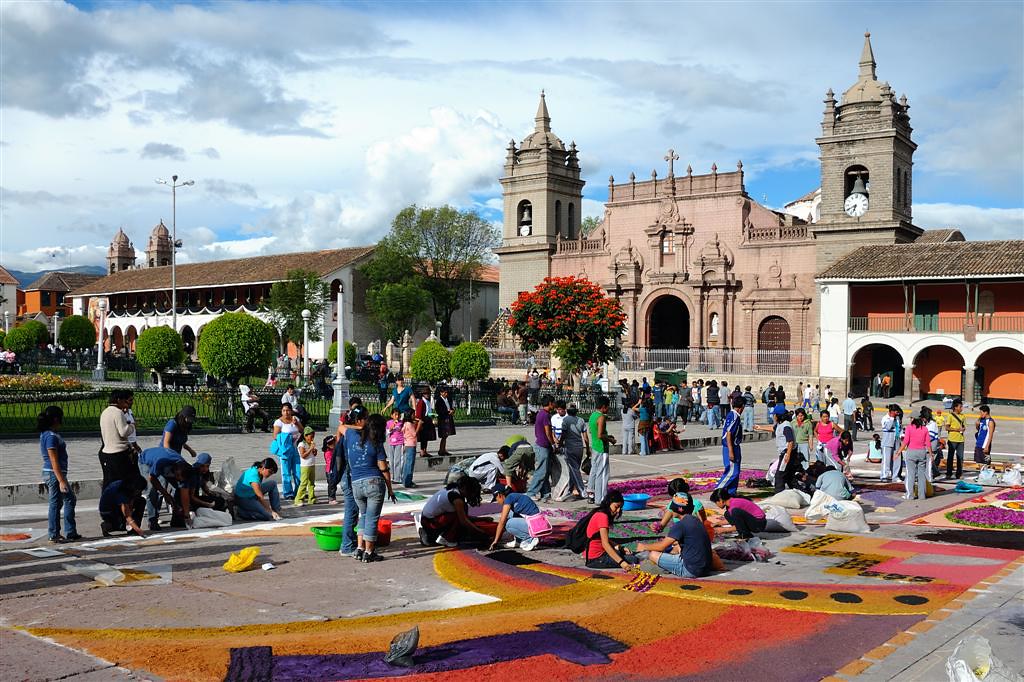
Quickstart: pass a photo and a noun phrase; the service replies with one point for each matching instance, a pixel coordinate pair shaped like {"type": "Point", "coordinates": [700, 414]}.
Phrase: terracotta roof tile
{"type": "Point", "coordinates": [947, 234]}
{"type": "Point", "coordinates": [62, 281]}
{"type": "Point", "coordinates": [489, 273]}
{"type": "Point", "coordinates": [945, 259]}
{"type": "Point", "coordinates": [234, 271]}
{"type": "Point", "coordinates": [6, 277]}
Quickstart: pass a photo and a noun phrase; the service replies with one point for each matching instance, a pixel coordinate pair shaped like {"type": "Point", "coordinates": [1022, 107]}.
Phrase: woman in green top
{"type": "Point", "coordinates": [597, 484]}
{"type": "Point", "coordinates": [803, 428]}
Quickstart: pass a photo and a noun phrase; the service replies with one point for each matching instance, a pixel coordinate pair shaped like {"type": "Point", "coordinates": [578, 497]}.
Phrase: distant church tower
{"type": "Point", "coordinates": [866, 167]}
{"type": "Point", "coordinates": [543, 200]}
{"type": "Point", "coordinates": [158, 251]}
{"type": "Point", "coordinates": [120, 254]}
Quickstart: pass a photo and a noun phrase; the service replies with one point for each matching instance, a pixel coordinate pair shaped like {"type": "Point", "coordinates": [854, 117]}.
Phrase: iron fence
{"type": "Point", "coordinates": [717, 360]}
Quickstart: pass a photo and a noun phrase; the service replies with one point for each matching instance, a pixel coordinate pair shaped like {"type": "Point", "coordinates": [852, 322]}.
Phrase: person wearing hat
{"type": "Point", "coordinates": [685, 550]}
{"type": "Point", "coordinates": [514, 508]}
{"type": "Point", "coordinates": [307, 467]}
{"type": "Point", "coordinates": [177, 429]}
{"type": "Point", "coordinates": [196, 489]}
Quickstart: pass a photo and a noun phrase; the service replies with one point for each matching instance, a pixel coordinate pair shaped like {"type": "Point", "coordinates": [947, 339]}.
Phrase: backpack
{"type": "Point", "coordinates": [577, 539]}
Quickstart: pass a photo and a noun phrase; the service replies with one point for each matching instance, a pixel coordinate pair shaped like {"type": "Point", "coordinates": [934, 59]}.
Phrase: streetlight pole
{"type": "Point", "coordinates": [100, 373]}
{"type": "Point", "coordinates": [7, 321]}
{"type": "Point", "coordinates": [305, 345]}
{"type": "Point", "coordinates": [340, 383]}
{"type": "Point", "coordinates": [175, 244]}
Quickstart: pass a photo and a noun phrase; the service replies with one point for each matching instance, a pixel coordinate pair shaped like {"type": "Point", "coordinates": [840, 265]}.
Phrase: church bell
{"type": "Point", "coordinates": [858, 186]}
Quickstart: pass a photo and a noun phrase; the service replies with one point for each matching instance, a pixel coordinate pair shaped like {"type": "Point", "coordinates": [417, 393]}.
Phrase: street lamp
{"type": "Point", "coordinates": [7, 321]}
{"type": "Point", "coordinates": [340, 383]}
{"type": "Point", "coordinates": [100, 373]}
{"type": "Point", "coordinates": [305, 345]}
{"type": "Point", "coordinates": [175, 244]}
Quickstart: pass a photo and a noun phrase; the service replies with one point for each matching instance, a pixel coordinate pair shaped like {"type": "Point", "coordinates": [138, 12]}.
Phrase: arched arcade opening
{"type": "Point", "coordinates": [668, 323]}
{"type": "Point", "coordinates": [876, 359]}
{"type": "Point", "coordinates": [999, 376]}
{"type": "Point", "coordinates": [939, 371]}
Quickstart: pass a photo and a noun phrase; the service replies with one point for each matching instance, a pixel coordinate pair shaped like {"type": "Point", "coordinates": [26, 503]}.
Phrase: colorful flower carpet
{"type": "Point", "coordinates": [575, 623]}
{"type": "Point", "coordinates": [1001, 510]}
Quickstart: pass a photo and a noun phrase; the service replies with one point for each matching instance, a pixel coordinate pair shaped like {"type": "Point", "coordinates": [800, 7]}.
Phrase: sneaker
{"type": "Point", "coordinates": [297, 503]}
{"type": "Point", "coordinates": [442, 540]}
{"type": "Point", "coordinates": [74, 537]}
{"type": "Point", "coordinates": [425, 539]}
{"type": "Point", "coordinates": [511, 544]}
{"type": "Point", "coordinates": [57, 539]}
{"type": "Point", "coordinates": [529, 545]}
{"type": "Point", "coordinates": [371, 557]}
{"type": "Point", "coordinates": [154, 526]}
{"type": "Point", "coordinates": [105, 529]}
{"type": "Point", "coordinates": [349, 553]}
{"type": "Point", "coordinates": [410, 484]}
{"type": "Point", "coordinates": [332, 502]}
{"type": "Point", "coordinates": [359, 553]}
{"type": "Point", "coordinates": [537, 498]}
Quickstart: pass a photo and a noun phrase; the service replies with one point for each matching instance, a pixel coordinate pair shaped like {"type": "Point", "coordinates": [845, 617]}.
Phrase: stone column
{"type": "Point", "coordinates": [968, 388]}
{"type": "Point", "coordinates": [849, 380]}
{"type": "Point", "coordinates": [908, 383]}
{"type": "Point", "coordinates": [389, 356]}
{"type": "Point", "coordinates": [406, 352]}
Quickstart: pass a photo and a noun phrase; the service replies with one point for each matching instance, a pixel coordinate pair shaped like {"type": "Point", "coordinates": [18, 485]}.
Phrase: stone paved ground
{"type": "Point", "coordinates": [69, 627]}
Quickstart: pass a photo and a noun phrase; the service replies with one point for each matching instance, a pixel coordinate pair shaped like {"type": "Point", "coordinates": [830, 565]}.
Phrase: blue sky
{"type": "Point", "coordinates": [310, 125]}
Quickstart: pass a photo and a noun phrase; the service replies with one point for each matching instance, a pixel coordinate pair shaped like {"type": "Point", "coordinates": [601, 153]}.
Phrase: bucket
{"type": "Point", "coordinates": [328, 538]}
{"type": "Point", "coordinates": [383, 533]}
{"type": "Point", "coordinates": [635, 501]}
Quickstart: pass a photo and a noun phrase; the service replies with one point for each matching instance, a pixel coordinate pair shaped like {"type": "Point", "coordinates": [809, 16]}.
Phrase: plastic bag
{"type": "Point", "coordinates": [242, 560]}
{"type": "Point", "coordinates": [988, 476]}
{"type": "Point", "coordinates": [972, 661]}
{"type": "Point", "coordinates": [204, 517]}
{"type": "Point", "coordinates": [228, 475]}
{"type": "Point", "coordinates": [789, 499]}
{"type": "Point", "coordinates": [778, 518]}
{"type": "Point", "coordinates": [1011, 477]}
{"type": "Point", "coordinates": [846, 517]}
{"type": "Point", "coordinates": [818, 508]}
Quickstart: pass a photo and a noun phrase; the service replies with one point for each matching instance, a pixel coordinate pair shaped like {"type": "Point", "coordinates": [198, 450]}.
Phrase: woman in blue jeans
{"type": "Point", "coordinates": [368, 466]}
{"type": "Point", "coordinates": [256, 498]}
{"type": "Point", "coordinates": [55, 474]}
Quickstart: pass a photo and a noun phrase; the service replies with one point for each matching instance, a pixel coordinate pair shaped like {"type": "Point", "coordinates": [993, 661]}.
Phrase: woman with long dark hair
{"type": "Point", "coordinates": [177, 429]}
{"type": "Point", "coordinates": [600, 552]}
{"type": "Point", "coordinates": [256, 498]}
{"type": "Point", "coordinates": [55, 474]}
{"type": "Point", "coordinates": [368, 463]}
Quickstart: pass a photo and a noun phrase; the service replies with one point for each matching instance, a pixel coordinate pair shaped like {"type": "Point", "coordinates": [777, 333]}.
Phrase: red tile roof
{"type": "Point", "coordinates": [933, 260]}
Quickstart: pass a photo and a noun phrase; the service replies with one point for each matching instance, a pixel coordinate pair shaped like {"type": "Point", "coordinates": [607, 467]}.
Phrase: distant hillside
{"type": "Point", "coordinates": [26, 278]}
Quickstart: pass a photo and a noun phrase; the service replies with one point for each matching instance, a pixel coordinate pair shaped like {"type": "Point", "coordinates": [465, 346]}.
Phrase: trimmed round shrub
{"type": "Point", "coordinates": [350, 353]}
{"type": "Point", "coordinates": [470, 361]}
{"type": "Point", "coordinates": [159, 348]}
{"type": "Point", "coordinates": [234, 345]}
{"type": "Point", "coordinates": [77, 333]}
{"type": "Point", "coordinates": [39, 330]}
{"type": "Point", "coordinates": [431, 362]}
{"type": "Point", "coordinates": [20, 340]}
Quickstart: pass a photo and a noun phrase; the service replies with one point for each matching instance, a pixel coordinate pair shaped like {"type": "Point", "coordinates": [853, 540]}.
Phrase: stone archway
{"type": "Point", "coordinates": [872, 359]}
{"type": "Point", "coordinates": [130, 337]}
{"type": "Point", "coordinates": [999, 376]}
{"type": "Point", "coordinates": [668, 323]}
{"type": "Point", "coordinates": [939, 372]}
{"type": "Point", "coordinates": [117, 339]}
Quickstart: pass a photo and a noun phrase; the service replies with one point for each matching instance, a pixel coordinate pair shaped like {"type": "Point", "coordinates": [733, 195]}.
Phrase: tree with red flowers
{"type": "Point", "coordinates": [572, 315]}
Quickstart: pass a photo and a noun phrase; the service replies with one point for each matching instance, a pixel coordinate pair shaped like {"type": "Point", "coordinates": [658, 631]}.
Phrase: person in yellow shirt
{"type": "Point", "coordinates": [955, 424]}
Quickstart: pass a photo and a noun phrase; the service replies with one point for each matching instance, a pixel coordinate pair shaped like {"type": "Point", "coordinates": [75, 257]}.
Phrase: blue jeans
{"type": "Point", "coordinates": [369, 496]}
{"type": "Point", "coordinates": [539, 484]}
{"type": "Point", "coordinates": [673, 563]}
{"type": "Point", "coordinates": [408, 464]}
{"type": "Point", "coordinates": [516, 525]}
{"type": "Point", "coordinates": [645, 444]}
{"type": "Point", "coordinates": [748, 418]}
{"type": "Point", "coordinates": [58, 500]}
{"type": "Point", "coordinates": [348, 526]}
{"type": "Point", "coordinates": [713, 414]}
{"type": "Point", "coordinates": [251, 509]}
{"type": "Point", "coordinates": [152, 494]}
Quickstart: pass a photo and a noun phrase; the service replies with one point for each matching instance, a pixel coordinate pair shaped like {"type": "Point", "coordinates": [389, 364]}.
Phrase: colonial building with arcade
{"type": "Point", "coordinates": [716, 283]}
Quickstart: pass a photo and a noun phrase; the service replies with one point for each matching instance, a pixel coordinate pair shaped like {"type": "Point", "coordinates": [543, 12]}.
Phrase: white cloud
{"type": "Point", "coordinates": [975, 222]}
{"type": "Point", "coordinates": [237, 248]}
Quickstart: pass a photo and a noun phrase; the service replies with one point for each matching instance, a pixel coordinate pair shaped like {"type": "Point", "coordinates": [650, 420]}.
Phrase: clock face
{"type": "Point", "coordinates": [524, 231]}
{"type": "Point", "coordinates": [856, 205]}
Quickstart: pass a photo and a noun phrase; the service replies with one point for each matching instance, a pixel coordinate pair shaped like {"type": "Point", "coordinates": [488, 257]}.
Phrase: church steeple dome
{"type": "Point", "coordinates": [542, 135]}
{"type": "Point", "coordinates": [158, 251]}
{"type": "Point", "coordinates": [867, 88]}
{"type": "Point", "coordinates": [120, 253]}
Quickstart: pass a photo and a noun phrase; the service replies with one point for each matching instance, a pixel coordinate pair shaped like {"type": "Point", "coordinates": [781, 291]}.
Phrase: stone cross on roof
{"type": "Point", "coordinates": [671, 157]}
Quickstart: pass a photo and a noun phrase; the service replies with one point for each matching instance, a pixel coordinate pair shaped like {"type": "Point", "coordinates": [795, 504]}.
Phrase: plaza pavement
{"type": "Point", "coordinates": [321, 587]}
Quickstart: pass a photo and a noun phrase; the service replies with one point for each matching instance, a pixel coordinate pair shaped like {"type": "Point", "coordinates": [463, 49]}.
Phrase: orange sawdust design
{"type": "Point", "coordinates": [14, 537]}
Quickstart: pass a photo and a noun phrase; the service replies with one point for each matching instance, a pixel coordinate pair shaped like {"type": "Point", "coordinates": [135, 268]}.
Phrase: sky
{"type": "Point", "coordinates": [309, 125]}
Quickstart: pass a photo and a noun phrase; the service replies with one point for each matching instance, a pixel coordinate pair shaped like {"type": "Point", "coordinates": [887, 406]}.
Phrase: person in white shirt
{"type": "Point", "coordinates": [290, 397]}
{"type": "Point", "coordinates": [808, 394]}
{"type": "Point", "coordinates": [488, 466]}
{"type": "Point", "coordinates": [557, 418]}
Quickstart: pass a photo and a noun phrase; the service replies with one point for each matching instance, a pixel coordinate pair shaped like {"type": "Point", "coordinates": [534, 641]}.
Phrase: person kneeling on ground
{"type": "Point", "coordinates": [676, 486]}
{"type": "Point", "coordinates": [744, 515]}
{"type": "Point", "coordinates": [600, 552]}
{"type": "Point", "coordinates": [122, 506]}
{"type": "Point", "coordinates": [685, 551]}
{"type": "Point", "coordinates": [198, 486]}
{"type": "Point", "coordinates": [831, 481]}
{"type": "Point", "coordinates": [488, 467]}
{"type": "Point", "coordinates": [444, 519]}
{"type": "Point", "coordinates": [256, 499]}
{"type": "Point", "coordinates": [514, 507]}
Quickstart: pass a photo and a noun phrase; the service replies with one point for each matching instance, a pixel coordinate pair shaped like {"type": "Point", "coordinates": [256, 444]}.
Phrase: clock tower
{"type": "Point", "coordinates": [543, 197]}
{"type": "Point", "coordinates": [866, 167]}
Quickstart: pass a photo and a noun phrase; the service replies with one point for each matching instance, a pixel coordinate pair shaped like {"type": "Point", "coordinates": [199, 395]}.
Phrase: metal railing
{"type": "Point", "coordinates": [949, 324]}
{"type": "Point", "coordinates": [516, 359]}
{"type": "Point", "coordinates": [700, 360]}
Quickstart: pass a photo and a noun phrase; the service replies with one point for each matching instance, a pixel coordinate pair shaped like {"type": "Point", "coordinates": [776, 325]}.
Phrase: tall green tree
{"type": "Point", "coordinates": [302, 290]}
{"type": "Point", "coordinates": [440, 250]}
{"type": "Point", "coordinates": [398, 306]}
{"type": "Point", "coordinates": [588, 225]}
{"type": "Point", "coordinates": [159, 349]}
{"type": "Point", "coordinates": [77, 334]}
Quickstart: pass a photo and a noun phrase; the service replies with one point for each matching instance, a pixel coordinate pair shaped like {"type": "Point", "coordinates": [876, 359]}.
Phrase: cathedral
{"type": "Point", "coordinates": [709, 278]}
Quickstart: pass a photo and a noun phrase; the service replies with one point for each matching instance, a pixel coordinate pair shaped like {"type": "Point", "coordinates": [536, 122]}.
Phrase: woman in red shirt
{"type": "Point", "coordinates": [600, 552]}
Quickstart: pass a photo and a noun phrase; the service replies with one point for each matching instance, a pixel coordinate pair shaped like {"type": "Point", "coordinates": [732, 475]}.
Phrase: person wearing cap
{"type": "Point", "coordinates": [685, 550]}
{"type": "Point", "coordinates": [176, 430]}
{"type": "Point", "coordinates": [514, 508]}
{"type": "Point", "coordinates": [790, 460]}
{"type": "Point", "coordinates": [199, 495]}
{"type": "Point", "coordinates": [307, 467]}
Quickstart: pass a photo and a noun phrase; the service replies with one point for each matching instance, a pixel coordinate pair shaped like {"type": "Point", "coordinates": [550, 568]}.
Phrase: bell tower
{"type": "Point", "coordinates": [120, 253]}
{"type": "Point", "coordinates": [158, 251]}
{"type": "Point", "coordinates": [866, 167]}
{"type": "Point", "coordinates": [543, 196]}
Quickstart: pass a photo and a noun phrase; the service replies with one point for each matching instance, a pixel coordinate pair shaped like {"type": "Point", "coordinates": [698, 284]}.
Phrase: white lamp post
{"type": "Point", "coordinates": [100, 373]}
{"type": "Point", "coordinates": [174, 185]}
{"type": "Point", "coordinates": [7, 321]}
{"type": "Point", "coordinates": [340, 383]}
{"type": "Point", "coordinates": [305, 345]}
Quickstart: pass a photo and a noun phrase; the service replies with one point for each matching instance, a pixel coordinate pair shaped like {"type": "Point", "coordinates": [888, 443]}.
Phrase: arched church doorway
{"type": "Point", "coordinates": [668, 324]}
{"type": "Point", "coordinates": [773, 339]}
